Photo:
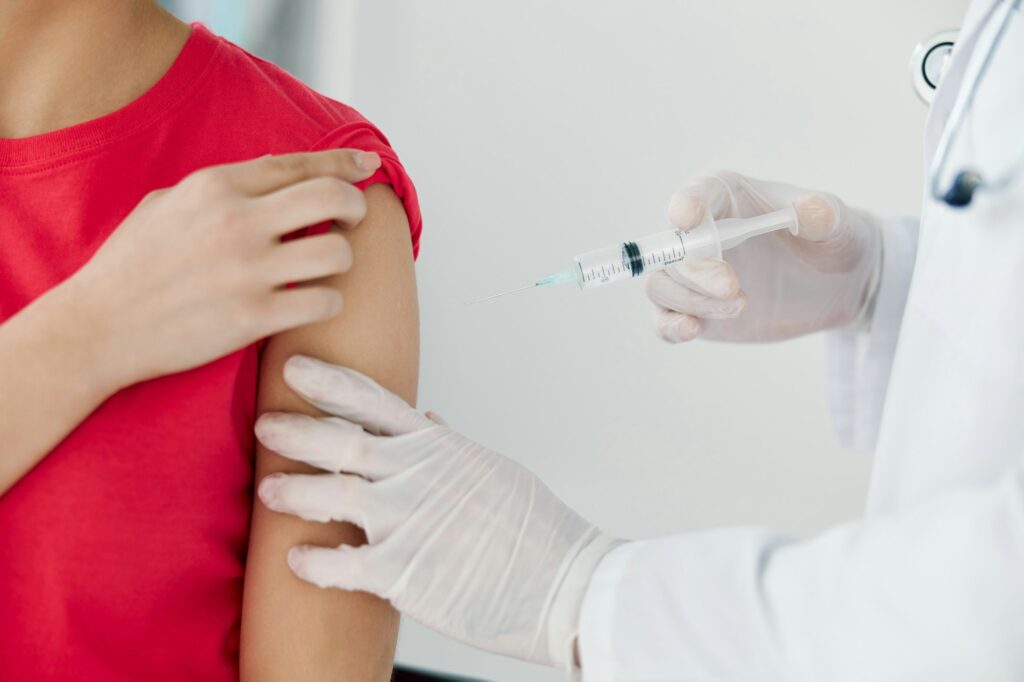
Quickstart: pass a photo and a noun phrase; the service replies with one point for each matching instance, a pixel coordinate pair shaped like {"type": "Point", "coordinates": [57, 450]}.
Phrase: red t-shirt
{"type": "Point", "coordinates": [122, 553]}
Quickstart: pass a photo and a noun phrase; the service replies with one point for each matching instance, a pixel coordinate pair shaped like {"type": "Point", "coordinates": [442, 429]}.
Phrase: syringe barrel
{"type": "Point", "coordinates": [734, 231]}
{"type": "Point", "coordinates": [647, 254]}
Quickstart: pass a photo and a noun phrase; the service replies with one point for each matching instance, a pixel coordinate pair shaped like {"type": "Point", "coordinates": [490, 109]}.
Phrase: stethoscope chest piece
{"type": "Point", "coordinates": [929, 61]}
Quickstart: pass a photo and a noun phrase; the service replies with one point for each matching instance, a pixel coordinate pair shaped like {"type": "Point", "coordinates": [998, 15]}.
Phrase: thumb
{"type": "Point", "coordinates": [820, 217]}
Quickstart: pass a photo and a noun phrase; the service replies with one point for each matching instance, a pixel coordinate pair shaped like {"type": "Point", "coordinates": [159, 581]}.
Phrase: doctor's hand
{"type": "Point", "coordinates": [772, 287]}
{"type": "Point", "coordinates": [461, 539]}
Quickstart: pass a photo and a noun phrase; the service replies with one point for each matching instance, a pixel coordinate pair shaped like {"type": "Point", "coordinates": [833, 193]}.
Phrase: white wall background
{"type": "Point", "coordinates": [536, 129]}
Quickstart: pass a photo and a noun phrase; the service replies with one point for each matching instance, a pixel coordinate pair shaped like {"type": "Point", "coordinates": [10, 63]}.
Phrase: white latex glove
{"type": "Point", "coordinates": [772, 287]}
{"type": "Point", "coordinates": [461, 539]}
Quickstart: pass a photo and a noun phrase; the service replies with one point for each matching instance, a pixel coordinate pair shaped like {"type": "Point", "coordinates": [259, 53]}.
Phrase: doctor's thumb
{"type": "Point", "coordinates": [820, 217]}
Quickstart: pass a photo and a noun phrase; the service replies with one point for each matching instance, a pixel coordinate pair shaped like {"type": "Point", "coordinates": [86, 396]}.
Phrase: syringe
{"type": "Point", "coordinates": [633, 258]}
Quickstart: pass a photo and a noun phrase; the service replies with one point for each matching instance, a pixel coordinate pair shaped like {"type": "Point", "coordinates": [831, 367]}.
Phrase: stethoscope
{"type": "Point", "coordinates": [927, 66]}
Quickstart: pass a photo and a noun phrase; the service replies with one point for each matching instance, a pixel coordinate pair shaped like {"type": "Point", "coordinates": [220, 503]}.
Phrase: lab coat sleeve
{"type": "Point", "coordinates": [930, 595]}
{"type": "Point", "coordinates": [859, 361]}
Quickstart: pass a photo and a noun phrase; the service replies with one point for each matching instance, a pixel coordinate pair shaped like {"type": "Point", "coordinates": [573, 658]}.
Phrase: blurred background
{"type": "Point", "coordinates": [537, 129]}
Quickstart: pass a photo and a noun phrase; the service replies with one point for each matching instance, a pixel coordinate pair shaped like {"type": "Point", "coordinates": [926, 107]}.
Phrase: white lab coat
{"type": "Point", "coordinates": [929, 585]}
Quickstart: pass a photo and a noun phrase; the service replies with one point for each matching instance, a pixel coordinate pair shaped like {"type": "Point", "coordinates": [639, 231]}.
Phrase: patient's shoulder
{"type": "Point", "coordinates": [260, 88]}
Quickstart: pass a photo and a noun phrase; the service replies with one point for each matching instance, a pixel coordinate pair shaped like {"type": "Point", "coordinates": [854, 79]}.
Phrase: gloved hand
{"type": "Point", "coordinates": [461, 539]}
{"type": "Point", "coordinates": [773, 287]}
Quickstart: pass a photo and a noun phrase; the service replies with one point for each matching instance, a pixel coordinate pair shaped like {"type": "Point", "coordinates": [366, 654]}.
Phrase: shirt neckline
{"type": "Point", "coordinates": [183, 75]}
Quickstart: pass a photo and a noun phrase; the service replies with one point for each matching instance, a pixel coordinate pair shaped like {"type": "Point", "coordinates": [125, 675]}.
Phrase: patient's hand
{"type": "Point", "coordinates": [198, 270]}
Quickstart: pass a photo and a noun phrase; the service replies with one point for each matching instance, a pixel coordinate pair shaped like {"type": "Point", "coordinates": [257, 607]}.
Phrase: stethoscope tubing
{"type": "Point", "coordinates": [952, 133]}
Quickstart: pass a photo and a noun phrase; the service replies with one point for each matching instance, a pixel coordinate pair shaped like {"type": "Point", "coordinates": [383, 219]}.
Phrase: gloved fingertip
{"type": "Point", "coordinates": [301, 559]}
{"type": "Point", "coordinates": [677, 328]}
{"type": "Point", "coordinates": [300, 362]}
{"type": "Point", "coordinates": [739, 304]}
{"type": "Point", "coordinates": [710, 276]}
{"type": "Point", "coordinates": [315, 380]}
{"type": "Point", "coordinates": [266, 425]}
{"type": "Point", "coordinates": [298, 371]}
{"type": "Point", "coordinates": [818, 216]}
{"type": "Point", "coordinates": [269, 489]}
{"type": "Point", "coordinates": [297, 560]}
{"type": "Point", "coordinates": [322, 566]}
{"type": "Point", "coordinates": [436, 418]}
{"type": "Point", "coordinates": [687, 329]}
{"type": "Point", "coordinates": [686, 211]}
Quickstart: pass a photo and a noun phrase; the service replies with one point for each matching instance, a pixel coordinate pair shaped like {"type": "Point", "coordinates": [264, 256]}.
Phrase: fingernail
{"type": "Point", "coordinates": [679, 329]}
{"type": "Point", "coordinates": [367, 161]}
{"type": "Point", "coordinates": [336, 301]}
{"type": "Point", "coordinates": [732, 308]}
{"type": "Point", "coordinates": [817, 216]}
{"type": "Point", "coordinates": [263, 428]}
{"type": "Point", "coordinates": [295, 558]}
{"type": "Point", "coordinates": [298, 364]}
{"type": "Point", "coordinates": [687, 212]}
{"type": "Point", "coordinates": [269, 488]}
{"type": "Point", "coordinates": [668, 334]}
{"type": "Point", "coordinates": [305, 376]}
{"type": "Point", "coordinates": [686, 329]}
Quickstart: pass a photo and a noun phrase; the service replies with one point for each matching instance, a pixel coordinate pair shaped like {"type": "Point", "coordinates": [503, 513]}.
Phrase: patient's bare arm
{"type": "Point", "coordinates": [292, 630]}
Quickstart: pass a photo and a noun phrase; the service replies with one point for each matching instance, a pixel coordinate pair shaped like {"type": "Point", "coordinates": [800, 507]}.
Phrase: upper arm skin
{"type": "Point", "coordinates": [292, 630]}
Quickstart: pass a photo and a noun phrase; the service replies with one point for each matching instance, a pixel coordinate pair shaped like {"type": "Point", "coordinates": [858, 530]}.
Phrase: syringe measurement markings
{"type": "Point", "coordinates": [605, 272]}
{"type": "Point", "coordinates": [663, 256]}
{"type": "Point", "coordinates": [609, 270]}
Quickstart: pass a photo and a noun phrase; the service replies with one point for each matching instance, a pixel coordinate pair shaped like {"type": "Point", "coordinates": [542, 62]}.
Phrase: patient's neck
{"type": "Point", "coordinates": [63, 62]}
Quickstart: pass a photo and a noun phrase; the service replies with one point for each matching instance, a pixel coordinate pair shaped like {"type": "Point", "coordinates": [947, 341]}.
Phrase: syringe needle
{"type": "Point", "coordinates": [504, 293]}
{"type": "Point", "coordinates": [557, 278]}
